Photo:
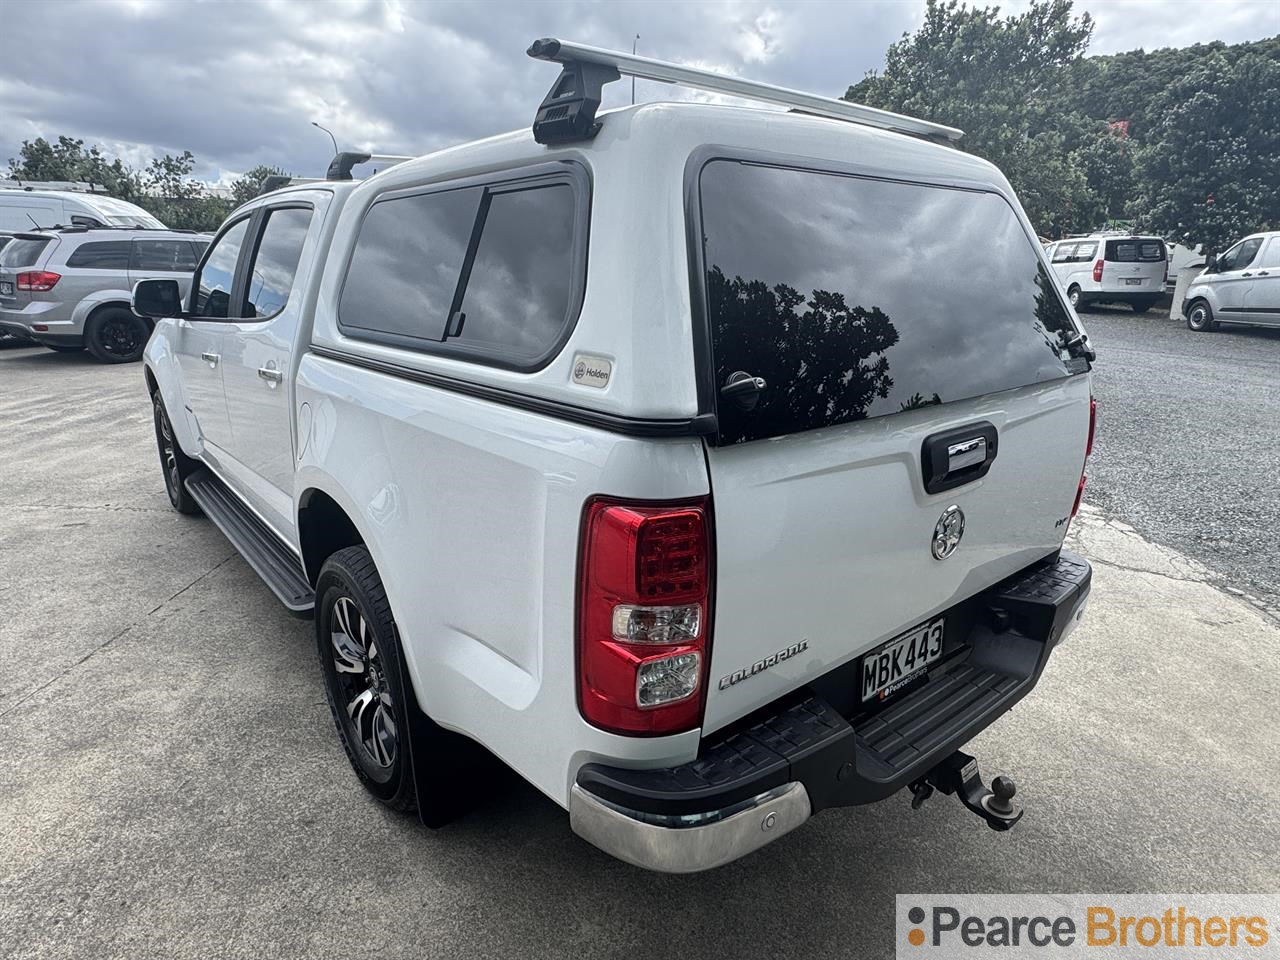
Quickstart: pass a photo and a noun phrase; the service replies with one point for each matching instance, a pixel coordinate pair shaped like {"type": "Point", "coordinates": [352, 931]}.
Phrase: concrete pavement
{"type": "Point", "coordinates": [170, 783]}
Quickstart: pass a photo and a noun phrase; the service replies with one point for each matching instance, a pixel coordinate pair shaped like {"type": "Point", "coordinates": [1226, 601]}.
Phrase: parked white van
{"type": "Point", "coordinates": [26, 208]}
{"type": "Point", "coordinates": [1111, 269]}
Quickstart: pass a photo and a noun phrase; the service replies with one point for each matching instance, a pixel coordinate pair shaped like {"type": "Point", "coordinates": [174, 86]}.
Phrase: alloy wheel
{"type": "Point", "coordinates": [361, 673]}
{"type": "Point", "coordinates": [168, 450]}
{"type": "Point", "coordinates": [119, 337]}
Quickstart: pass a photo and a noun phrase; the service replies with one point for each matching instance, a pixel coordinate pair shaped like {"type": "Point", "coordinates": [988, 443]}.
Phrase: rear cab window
{"type": "Point", "coordinates": [490, 270]}
{"type": "Point", "coordinates": [846, 297]}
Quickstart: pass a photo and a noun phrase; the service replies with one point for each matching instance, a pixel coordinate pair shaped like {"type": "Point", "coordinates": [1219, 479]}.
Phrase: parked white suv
{"type": "Point", "coordinates": [669, 455]}
{"type": "Point", "coordinates": [1240, 286]}
{"type": "Point", "coordinates": [1105, 268]}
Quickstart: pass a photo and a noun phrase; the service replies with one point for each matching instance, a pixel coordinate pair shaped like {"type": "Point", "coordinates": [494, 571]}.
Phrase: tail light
{"type": "Point", "coordinates": [1097, 270]}
{"type": "Point", "coordinates": [37, 281]}
{"type": "Point", "coordinates": [644, 615]}
{"type": "Point", "coordinates": [1088, 449]}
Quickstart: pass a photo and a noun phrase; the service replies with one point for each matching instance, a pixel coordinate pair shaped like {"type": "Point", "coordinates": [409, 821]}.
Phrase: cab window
{"type": "Point", "coordinates": [276, 262]}
{"type": "Point", "coordinates": [212, 291]}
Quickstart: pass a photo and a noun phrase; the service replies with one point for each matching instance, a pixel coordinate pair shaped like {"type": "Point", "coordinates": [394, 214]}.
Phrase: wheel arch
{"type": "Point", "coordinates": [324, 528]}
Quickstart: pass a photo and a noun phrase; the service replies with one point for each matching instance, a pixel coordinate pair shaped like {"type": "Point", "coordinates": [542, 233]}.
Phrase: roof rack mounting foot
{"type": "Point", "coordinates": [568, 111]}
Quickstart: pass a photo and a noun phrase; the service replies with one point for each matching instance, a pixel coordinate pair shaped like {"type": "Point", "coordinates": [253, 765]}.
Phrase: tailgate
{"type": "Point", "coordinates": [1135, 265]}
{"type": "Point", "coordinates": [889, 381]}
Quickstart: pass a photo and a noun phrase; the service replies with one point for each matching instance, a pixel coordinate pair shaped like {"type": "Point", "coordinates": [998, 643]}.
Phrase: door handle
{"type": "Point", "coordinates": [1247, 273]}
{"type": "Point", "coordinates": [1264, 273]}
{"type": "Point", "coordinates": [966, 453]}
{"type": "Point", "coordinates": [270, 374]}
{"type": "Point", "coordinates": [210, 358]}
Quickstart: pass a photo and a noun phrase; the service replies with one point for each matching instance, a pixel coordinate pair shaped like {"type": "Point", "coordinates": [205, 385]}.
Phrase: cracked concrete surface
{"type": "Point", "coordinates": [170, 784]}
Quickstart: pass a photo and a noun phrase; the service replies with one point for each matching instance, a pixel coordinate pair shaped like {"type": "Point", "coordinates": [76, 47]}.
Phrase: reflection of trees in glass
{"type": "Point", "coordinates": [823, 359]}
{"type": "Point", "coordinates": [1051, 320]}
{"type": "Point", "coordinates": [917, 401]}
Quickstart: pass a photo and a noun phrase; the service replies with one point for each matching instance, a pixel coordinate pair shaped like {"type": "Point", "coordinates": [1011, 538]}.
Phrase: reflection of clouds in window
{"type": "Point", "coordinates": [519, 289]}
{"type": "Point", "coordinates": [952, 271]}
{"type": "Point", "coordinates": [406, 263]}
{"type": "Point", "coordinates": [213, 298]}
{"type": "Point", "coordinates": [276, 262]}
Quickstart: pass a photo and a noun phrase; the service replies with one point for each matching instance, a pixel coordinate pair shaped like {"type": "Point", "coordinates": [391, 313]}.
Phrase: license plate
{"type": "Point", "coordinates": [1133, 282]}
{"type": "Point", "coordinates": [901, 660]}
{"type": "Point", "coordinates": [6, 286]}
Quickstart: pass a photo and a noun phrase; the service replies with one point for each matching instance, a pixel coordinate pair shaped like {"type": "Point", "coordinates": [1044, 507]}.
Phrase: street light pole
{"type": "Point", "coordinates": [633, 79]}
{"type": "Point", "coordinates": [334, 139]}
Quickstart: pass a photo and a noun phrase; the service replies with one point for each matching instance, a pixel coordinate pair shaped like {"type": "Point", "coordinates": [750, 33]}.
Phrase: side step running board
{"type": "Point", "coordinates": [274, 562]}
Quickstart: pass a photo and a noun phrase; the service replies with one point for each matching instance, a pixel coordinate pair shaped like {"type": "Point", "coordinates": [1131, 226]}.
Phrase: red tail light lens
{"type": "Point", "coordinates": [1097, 271]}
{"type": "Point", "coordinates": [1088, 449]}
{"type": "Point", "coordinates": [37, 281]}
{"type": "Point", "coordinates": [643, 615]}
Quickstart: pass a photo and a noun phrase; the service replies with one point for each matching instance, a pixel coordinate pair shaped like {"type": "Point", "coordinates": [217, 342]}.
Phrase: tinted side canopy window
{"type": "Point", "coordinates": [856, 298]}
{"type": "Point", "coordinates": [102, 255]}
{"type": "Point", "coordinates": [491, 271]}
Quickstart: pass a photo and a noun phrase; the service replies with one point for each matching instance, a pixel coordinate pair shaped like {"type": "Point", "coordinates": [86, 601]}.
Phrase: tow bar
{"type": "Point", "coordinates": [959, 774]}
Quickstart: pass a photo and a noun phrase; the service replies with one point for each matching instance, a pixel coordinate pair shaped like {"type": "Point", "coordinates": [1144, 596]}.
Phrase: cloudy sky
{"type": "Point", "coordinates": [237, 83]}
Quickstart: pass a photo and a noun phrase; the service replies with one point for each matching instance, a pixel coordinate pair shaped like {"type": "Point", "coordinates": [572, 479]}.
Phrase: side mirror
{"type": "Point", "coordinates": [157, 299]}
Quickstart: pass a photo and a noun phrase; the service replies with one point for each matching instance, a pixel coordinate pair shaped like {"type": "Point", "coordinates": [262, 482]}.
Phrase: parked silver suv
{"type": "Point", "coordinates": [68, 288]}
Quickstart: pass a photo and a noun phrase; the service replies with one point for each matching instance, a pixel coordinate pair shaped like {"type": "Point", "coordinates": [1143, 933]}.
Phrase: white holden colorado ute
{"type": "Point", "coordinates": [708, 466]}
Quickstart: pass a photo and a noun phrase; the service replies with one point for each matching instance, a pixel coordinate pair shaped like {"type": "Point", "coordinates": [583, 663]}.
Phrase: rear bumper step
{"type": "Point", "coordinates": [277, 565]}
{"type": "Point", "coordinates": [653, 817]}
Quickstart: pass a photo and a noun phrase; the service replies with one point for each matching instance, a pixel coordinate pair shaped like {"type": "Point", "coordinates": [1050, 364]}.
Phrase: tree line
{"type": "Point", "coordinates": [164, 188]}
{"type": "Point", "coordinates": [1184, 143]}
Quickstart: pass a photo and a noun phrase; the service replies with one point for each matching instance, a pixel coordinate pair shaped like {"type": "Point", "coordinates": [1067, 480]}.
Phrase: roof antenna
{"type": "Point", "coordinates": [633, 79]}
{"type": "Point", "coordinates": [568, 111]}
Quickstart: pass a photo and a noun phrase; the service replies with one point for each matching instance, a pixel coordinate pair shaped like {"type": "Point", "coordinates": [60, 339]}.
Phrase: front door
{"type": "Point", "coordinates": [200, 341]}
{"type": "Point", "coordinates": [258, 354]}
{"type": "Point", "coordinates": [1232, 279]}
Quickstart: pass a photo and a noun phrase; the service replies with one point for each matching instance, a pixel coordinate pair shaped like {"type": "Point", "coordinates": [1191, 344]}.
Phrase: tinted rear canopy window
{"type": "Point", "coordinates": [21, 252]}
{"type": "Point", "coordinates": [856, 298]}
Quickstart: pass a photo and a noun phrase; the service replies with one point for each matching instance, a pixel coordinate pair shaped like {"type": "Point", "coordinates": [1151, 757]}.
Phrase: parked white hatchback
{"type": "Point", "coordinates": [1240, 286]}
{"type": "Point", "coordinates": [1106, 268]}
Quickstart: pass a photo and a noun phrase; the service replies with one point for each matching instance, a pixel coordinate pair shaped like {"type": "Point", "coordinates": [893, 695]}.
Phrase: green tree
{"type": "Point", "coordinates": [246, 186]}
{"type": "Point", "coordinates": [174, 197]}
{"type": "Point", "coordinates": [1210, 172]}
{"type": "Point", "coordinates": [67, 159]}
{"type": "Point", "coordinates": [1000, 79]}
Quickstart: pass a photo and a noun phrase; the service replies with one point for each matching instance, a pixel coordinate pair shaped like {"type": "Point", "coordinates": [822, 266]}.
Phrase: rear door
{"type": "Point", "coordinates": [1134, 265]}
{"type": "Point", "coordinates": [257, 355]}
{"type": "Point", "coordinates": [880, 316]}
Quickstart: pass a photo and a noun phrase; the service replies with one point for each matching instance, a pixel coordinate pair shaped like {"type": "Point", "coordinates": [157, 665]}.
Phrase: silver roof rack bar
{"type": "Point", "coordinates": [606, 62]}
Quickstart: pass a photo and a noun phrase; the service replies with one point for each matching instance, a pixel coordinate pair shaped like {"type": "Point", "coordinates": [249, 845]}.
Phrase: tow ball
{"type": "Point", "coordinates": [959, 774]}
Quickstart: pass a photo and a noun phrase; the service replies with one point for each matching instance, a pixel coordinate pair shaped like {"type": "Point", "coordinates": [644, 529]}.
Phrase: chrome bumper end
{"type": "Point", "coordinates": [687, 844]}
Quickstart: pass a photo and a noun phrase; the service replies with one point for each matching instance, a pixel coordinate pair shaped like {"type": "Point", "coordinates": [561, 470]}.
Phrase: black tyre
{"type": "Point", "coordinates": [177, 466]}
{"type": "Point", "coordinates": [63, 348]}
{"type": "Point", "coordinates": [360, 657]}
{"type": "Point", "coordinates": [1200, 317]}
{"type": "Point", "coordinates": [1142, 306]}
{"type": "Point", "coordinates": [116, 335]}
{"type": "Point", "coordinates": [1077, 301]}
